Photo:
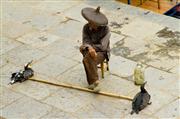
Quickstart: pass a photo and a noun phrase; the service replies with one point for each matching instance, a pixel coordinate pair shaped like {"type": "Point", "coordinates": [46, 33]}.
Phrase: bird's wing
{"type": "Point", "coordinates": [137, 101]}
{"type": "Point", "coordinates": [146, 98]}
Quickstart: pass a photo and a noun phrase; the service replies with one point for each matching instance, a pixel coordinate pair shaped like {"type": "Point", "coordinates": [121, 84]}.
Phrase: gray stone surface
{"type": "Point", "coordinates": [25, 108]}
{"type": "Point", "coordinates": [117, 85]}
{"type": "Point", "coordinates": [24, 54]}
{"type": "Point", "coordinates": [38, 39]}
{"type": "Point", "coordinates": [111, 107]}
{"type": "Point", "coordinates": [63, 47]}
{"type": "Point", "coordinates": [121, 66]}
{"type": "Point", "coordinates": [9, 26]}
{"type": "Point", "coordinates": [51, 66]}
{"type": "Point", "coordinates": [58, 114]}
{"type": "Point", "coordinates": [69, 29]}
{"type": "Point", "coordinates": [162, 80]}
{"type": "Point", "coordinates": [3, 60]}
{"type": "Point", "coordinates": [74, 76]}
{"type": "Point", "coordinates": [136, 30]}
{"type": "Point", "coordinates": [19, 11]}
{"type": "Point", "coordinates": [44, 20]}
{"type": "Point", "coordinates": [115, 38]}
{"type": "Point", "coordinates": [7, 96]}
{"type": "Point", "coordinates": [7, 45]}
{"type": "Point", "coordinates": [68, 100]}
{"type": "Point", "coordinates": [170, 111]}
{"type": "Point", "coordinates": [35, 90]}
{"type": "Point", "coordinates": [90, 111]}
{"type": "Point", "coordinates": [56, 6]}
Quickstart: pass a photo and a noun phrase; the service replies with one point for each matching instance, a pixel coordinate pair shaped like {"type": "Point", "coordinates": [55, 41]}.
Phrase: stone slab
{"type": "Point", "coordinates": [121, 66]}
{"type": "Point", "coordinates": [159, 79]}
{"type": "Point", "coordinates": [57, 113]}
{"type": "Point", "coordinates": [13, 29]}
{"type": "Point", "coordinates": [117, 85]}
{"type": "Point", "coordinates": [169, 111]}
{"type": "Point", "coordinates": [65, 98]}
{"type": "Point", "coordinates": [136, 30]}
{"type": "Point", "coordinates": [35, 90]}
{"type": "Point", "coordinates": [53, 65]}
{"type": "Point", "coordinates": [63, 47]}
{"type": "Point", "coordinates": [89, 111]}
{"type": "Point", "coordinates": [74, 76]}
{"type": "Point", "coordinates": [24, 54]}
{"type": "Point", "coordinates": [115, 38]}
{"type": "Point", "coordinates": [18, 11]}
{"type": "Point", "coordinates": [57, 6]}
{"type": "Point", "coordinates": [8, 96]}
{"type": "Point", "coordinates": [129, 46]}
{"type": "Point", "coordinates": [38, 39]}
{"type": "Point", "coordinates": [65, 29]}
{"type": "Point", "coordinates": [110, 107]}
{"type": "Point", "coordinates": [7, 45]}
{"type": "Point", "coordinates": [43, 21]}
{"type": "Point", "coordinates": [25, 108]}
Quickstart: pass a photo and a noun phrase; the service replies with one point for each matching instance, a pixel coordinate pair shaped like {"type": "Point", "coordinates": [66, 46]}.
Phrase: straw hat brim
{"type": "Point", "coordinates": [92, 15]}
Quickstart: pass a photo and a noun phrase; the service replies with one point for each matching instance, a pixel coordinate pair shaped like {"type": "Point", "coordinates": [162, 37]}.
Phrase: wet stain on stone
{"type": "Point", "coordinates": [161, 78]}
{"type": "Point", "coordinates": [166, 33]}
{"type": "Point", "coordinates": [120, 50]}
{"type": "Point", "coordinates": [126, 18]}
{"type": "Point", "coordinates": [76, 47]}
{"type": "Point", "coordinates": [147, 12]}
{"type": "Point", "coordinates": [26, 22]}
{"type": "Point", "coordinates": [172, 44]}
{"type": "Point", "coordinates": [164, 52]}
{"type": "Point", "coordinates": [117, 32]}
{"type": "Point", "coordinates": [118, 8]}
{"type": "Point", "coordinates": [43, 38]}
{"type": "Point", "coordinates": [67, 19]}
{"type": "Point", "coordinates": [143, 57]}
{"type": "Point", "coordinates": [115, 25]}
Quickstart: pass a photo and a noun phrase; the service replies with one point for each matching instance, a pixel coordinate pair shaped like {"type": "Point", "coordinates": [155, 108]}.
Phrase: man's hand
{"type": "Point", "coordinates": [92, 53]}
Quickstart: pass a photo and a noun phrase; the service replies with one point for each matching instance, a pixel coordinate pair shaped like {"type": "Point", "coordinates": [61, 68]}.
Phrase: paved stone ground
{"type": "Point", "coordinates": [49, 33]}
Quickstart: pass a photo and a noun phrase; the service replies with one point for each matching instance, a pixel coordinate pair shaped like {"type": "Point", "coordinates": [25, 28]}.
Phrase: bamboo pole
{"type": "Point", "coordinates": [81, 89]}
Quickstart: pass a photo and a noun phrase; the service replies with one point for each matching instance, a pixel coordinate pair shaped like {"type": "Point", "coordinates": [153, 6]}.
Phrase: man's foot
{"type": "Point", "coordinates": [94, 85]}
{"type": "Point", "coordinates": [96, 89]}
{"type": "Point", "coordinates": [91, 87]}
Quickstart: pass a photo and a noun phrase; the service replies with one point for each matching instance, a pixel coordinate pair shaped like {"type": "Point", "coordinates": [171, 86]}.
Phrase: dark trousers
{"type": "Point", "coordinates": [90, 66]}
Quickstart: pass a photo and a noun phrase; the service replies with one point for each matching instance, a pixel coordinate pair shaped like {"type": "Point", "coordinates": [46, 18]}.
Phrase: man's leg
{"type": "Point", "coordinates": [90, 66]}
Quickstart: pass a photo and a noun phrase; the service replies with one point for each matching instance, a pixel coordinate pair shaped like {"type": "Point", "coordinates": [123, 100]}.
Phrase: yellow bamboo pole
{"type": "Point", "coordinates": [81, 89]}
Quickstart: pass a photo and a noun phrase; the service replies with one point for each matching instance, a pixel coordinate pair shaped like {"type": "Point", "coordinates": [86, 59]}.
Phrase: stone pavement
{"type": "Point", "coordinates": [49, 33]}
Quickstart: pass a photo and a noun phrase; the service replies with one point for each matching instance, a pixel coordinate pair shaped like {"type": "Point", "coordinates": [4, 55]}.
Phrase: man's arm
{"type": "Point", "coordinates": [87, 44]}
{"type": "Point", "coordinates": [86, 39]}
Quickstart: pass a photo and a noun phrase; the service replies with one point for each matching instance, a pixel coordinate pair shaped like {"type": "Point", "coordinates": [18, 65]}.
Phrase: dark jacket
{"type": "Point", "coordinates": [98, 39]}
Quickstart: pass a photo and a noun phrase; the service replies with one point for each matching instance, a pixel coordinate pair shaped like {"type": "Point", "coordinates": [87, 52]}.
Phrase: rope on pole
{"type": "Point", "coordinates": [81, 89]}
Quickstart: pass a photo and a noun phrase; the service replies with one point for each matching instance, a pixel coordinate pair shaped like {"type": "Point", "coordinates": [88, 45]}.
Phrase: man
{"type": "Point", "coordinates": [95, 48]}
